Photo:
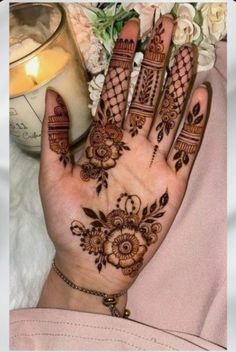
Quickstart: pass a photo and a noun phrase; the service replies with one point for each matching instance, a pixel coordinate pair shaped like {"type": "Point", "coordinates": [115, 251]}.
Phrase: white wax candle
{"type": "Point", "coordinates": [18, 50]}
{"type": "Point", "coordinates": [53, 68]}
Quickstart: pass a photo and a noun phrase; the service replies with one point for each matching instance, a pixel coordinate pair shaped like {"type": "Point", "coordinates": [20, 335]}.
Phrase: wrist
{"type": "Point", "coordinates": [58, 294]}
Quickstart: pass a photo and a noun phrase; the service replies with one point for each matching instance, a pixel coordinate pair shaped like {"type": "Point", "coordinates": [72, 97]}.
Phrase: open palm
{"type": "Point", "coordinates": [108, 215]}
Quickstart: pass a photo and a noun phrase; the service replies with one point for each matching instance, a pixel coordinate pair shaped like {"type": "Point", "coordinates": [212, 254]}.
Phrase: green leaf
{"type": "Point", "coordinates": [198, 18]}
{"type": "Point", "coordinates": [118, 26]}
{"type": "Point", "coordinates": [174, 10]}
{"type": "Point", "coordinates": [91, 14]}
{"type": "Point", "coordinates": [198, 40]}
{"type": "Point", "coordinates": [110, 10]}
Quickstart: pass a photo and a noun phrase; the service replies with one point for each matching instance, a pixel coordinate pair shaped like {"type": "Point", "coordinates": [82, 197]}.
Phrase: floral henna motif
{"type": "Point", "coordinates": [122, 237]}
{"type": "Point", "coordinates": [189, 138]}
{"type": "Point", "coordinates": [105, 148]}
{"type": "Point", "coordinates": [175, 93]}
{"type": "Point", "coordinates": [58, 131]}
{"type": "Point", "coordinates": [145, 97]}
{"type": "Point", "coordinates": [106, 137]}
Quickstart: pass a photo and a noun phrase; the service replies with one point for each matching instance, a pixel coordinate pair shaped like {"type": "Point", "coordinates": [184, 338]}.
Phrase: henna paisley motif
{"type": "Point", "coordinates": [122, 237]}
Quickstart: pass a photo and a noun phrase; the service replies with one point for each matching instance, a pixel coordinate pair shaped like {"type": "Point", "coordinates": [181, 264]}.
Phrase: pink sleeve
{"type": "Point", "coordinates": [55, 329]}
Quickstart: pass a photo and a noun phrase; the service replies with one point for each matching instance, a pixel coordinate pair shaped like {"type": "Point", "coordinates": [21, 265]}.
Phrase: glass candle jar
{"type": "Point", "coordinates": [43, 54]}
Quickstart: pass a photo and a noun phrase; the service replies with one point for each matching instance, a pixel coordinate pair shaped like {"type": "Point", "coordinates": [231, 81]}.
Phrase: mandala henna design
{"type": "Point", "coordinates": [106, 137]}
{"type": "Point", "coordinates": [122, 237]}
{"type": "Point", "coordinates": [145, 97]}
{"type": "Point", "coordinates": [189, 138]}
{"type": "Point", "coordinates": [58, 131]}
{"type": "Point", "coordinates": [175, 93]}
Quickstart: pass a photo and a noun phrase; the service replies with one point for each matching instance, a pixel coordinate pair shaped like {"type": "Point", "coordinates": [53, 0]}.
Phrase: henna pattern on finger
{"type": "Point", "coordinates": [115, 89]}
{"type": "Point", "coordinates": [122, 237]}
{"type": "Point", "coordinates": [175, 93]}
{"type": "Point", "coordinates": [189, 138]}
{"type": "Point", "coordinates": [145, 98]}
{"type": "Point", "coordinates": [58, 131]}
{"type": "Point", "coordinates": [106, 143]}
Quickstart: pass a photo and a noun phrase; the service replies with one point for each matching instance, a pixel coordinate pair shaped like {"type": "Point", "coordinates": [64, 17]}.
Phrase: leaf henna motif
{"type": "Point", "coordinates": [122, 237]}
{"type": "Point", "coordinates": [189, 138]}
{"type": "Point", "coordinates": [175, 92]}
{"type": "Point", "coordinates": [145, 95]}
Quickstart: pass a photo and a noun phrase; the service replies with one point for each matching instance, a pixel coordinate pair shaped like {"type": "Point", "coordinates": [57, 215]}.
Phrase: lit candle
{"type": "Point", "coordinates": [34, 68]}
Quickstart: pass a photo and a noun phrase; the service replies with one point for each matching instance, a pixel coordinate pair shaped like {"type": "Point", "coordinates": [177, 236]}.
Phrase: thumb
{"type": "Point", "coordinates": [55, 156]}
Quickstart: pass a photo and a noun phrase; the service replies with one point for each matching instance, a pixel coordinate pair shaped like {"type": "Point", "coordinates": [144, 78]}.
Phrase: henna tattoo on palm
{"type": "Point", "coordinates": [189, 138]}
{"type": "Point", "coordinates": [58, 131]}
{"type": "Point", "coordinates": [105, 148]}
{"type": "Point", "coordinates": [175, 93]}
{"type": "Point", "coordinates": [145, 98]}
{"type": "Point", "coordinates": [122, 237]}
{"type": "Point", "coordinates": [106, 137]}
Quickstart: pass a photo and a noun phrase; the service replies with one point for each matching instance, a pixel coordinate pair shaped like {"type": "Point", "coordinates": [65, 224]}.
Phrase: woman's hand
{"type": "Point", "coordinates": [108, 215]}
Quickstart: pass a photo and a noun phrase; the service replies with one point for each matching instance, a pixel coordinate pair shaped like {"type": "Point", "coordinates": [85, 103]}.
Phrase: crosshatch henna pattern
{"type": "Point", "coordinates": [106, 138]}
{"type": "Point", "coordinates": [175, 93]}
{"type": "Point", "coordinates": [122, 237]}
{"type": "Point", "coordinates": [116, 85]}
{"type": "Point", "coordinates": [58, 131]}
{"type": "Point", "coordinates": [189, 138]}
{"type": "Point", "coordinates": [145, 98]}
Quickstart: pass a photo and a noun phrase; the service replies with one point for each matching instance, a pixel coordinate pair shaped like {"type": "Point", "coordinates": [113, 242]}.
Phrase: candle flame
{"type": "Point", "coordinates": [32, 67]}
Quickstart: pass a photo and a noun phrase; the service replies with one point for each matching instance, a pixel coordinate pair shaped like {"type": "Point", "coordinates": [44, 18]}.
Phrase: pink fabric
{"type": "Point", "coordinates": [183, 289]}
{"type": "Point", "coordinates": [54, 329]}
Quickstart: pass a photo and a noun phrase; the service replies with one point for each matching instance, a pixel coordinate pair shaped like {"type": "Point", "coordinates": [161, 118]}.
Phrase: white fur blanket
{"type": "Point", "coordinates": [31, 249]}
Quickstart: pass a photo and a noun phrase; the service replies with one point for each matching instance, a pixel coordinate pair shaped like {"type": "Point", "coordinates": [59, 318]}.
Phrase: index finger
{"type": "Point", "coordinates": [115, 89]}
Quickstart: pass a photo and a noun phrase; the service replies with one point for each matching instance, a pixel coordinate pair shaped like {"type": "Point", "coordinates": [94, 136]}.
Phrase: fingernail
{"type": "Point", "coordinates": [168, 15]}
{"type": "Point", "coordinates": [134, 19]}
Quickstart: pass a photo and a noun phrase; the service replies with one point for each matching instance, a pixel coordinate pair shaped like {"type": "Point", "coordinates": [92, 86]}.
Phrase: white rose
{"type": "Point", "coordinates": [185, 30]}
{"type": "Point", "coordinates": [214, 20]}
{"type": "Point", "coordinates": [206, 55]}
{"type": "Point", "coordinates": [95, 89]}
{"type": "Point", "coordinates": [186, 11]}
{"type": "Point", "coordinates": [148, 12]}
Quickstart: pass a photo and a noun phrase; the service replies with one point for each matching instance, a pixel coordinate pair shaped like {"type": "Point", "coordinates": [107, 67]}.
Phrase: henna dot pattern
{"type": "Point", "coordinates": [122, 237]}
{"type": "Point", "coordinates": [189, 138]}
{"type": "Point", "coordinates": [58, 131]}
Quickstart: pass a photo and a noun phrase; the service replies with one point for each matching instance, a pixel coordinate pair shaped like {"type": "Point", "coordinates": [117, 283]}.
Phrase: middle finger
{"type": "Point", "coordinates": [144, 102]}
